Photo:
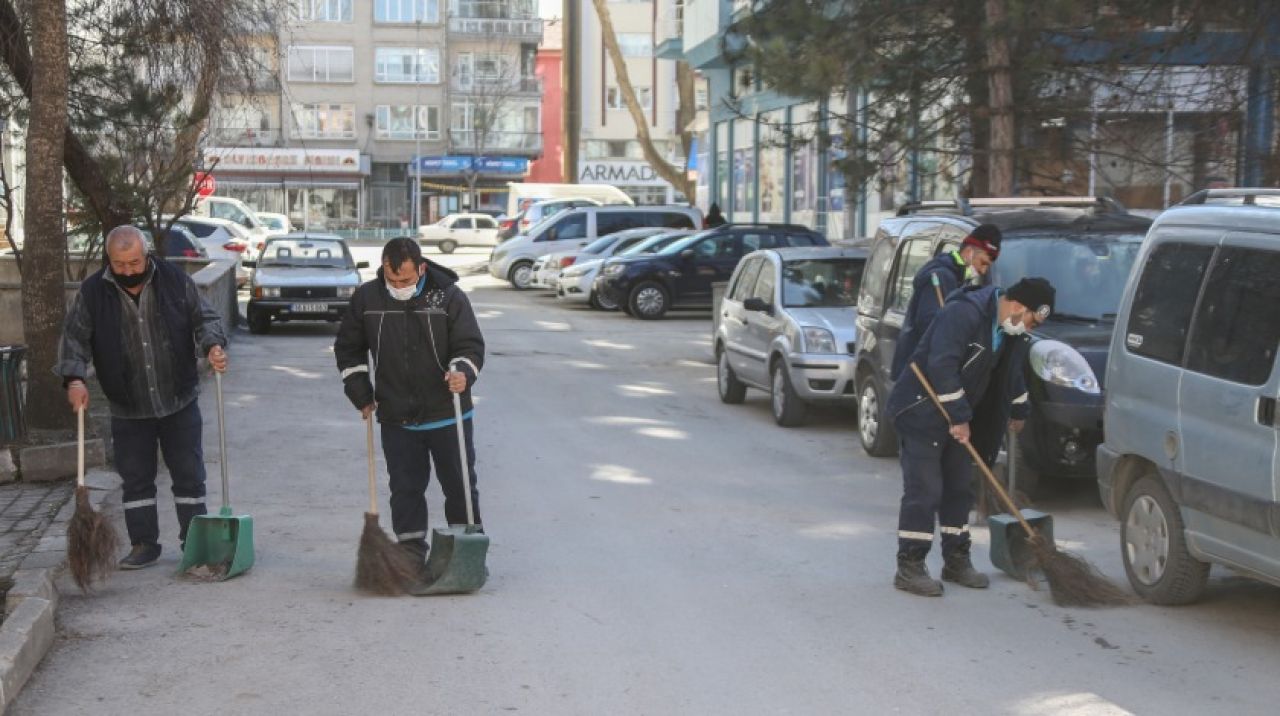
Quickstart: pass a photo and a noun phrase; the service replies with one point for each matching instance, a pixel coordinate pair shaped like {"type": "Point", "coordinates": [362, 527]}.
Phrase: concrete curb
{"type": "Point", "coordinates": [28, 630]}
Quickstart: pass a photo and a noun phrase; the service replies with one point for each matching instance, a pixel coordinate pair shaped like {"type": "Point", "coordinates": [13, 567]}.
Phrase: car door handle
{"type": "Point", "coordinates": [1267, 411]}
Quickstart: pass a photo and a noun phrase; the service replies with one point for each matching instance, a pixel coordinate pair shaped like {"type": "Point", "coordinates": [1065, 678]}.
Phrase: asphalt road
{"type": "Point", "coordinates": [653, 552]}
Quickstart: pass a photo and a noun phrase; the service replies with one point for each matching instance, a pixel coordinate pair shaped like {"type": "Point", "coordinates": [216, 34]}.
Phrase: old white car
{"type": "Point", "coordinates": [457, 230]}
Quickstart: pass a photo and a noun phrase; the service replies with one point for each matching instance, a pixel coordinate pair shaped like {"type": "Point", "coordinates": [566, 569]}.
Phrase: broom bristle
{"type": "Point", "coordinates": [382, 567]}
{"type": "Point", "coordinates": [1073, 582]}
{"type": "Point", "coordinates": [91, 543]}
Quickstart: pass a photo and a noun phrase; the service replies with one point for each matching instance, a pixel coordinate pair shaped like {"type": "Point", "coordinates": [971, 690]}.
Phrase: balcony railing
{"type": "Point", "coordinates": [498, 87]}
{"type": "Point", "coordinates": [246, 136]}
{"type": "Point", "coordinates": [530, 29]}
{"type": "Point", "coordinates": [494, 9]}
{"type": "Point", "coordinates": [496, 141]}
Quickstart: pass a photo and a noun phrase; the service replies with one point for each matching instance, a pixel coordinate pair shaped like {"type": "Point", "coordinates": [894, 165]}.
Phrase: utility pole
{"type": "Point", "coordinates": [572, 69]}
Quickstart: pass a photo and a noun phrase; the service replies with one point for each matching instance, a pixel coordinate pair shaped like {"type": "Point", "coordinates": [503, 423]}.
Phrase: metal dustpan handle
{"type": "Point", "coordinates": [462, 452]}
{"type": "Point", "coordinates": [222, 447]}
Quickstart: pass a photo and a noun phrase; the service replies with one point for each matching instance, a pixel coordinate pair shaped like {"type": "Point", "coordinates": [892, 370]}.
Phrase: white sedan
{"type": "Point", "coordinates": [457, 230]}
{"type": "Point", "coordinates": [575, 282]}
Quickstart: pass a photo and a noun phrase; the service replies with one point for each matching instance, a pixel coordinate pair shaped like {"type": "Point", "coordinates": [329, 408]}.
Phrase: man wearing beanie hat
{"type": "Point", "coordinates": [973, 355]}
{"type": "Point", "coordinates": [936, 280]}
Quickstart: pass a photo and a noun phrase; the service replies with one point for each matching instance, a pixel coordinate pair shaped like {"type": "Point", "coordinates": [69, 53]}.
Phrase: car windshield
{"type": "Point", "coordinates": [821, 282]}
{"type": "Point", "coordinates": [652, 244]}
{"type": "Point", "coordinates": [1089, 272]}
{"type": "Point", "coordinates": [684, 243]}
{"type": "Point", "coordinates": [274, 223]}
{"type": "Point", "coordinates": [600, 244]}
{"type": "Point", "coordinates": [305, 253]}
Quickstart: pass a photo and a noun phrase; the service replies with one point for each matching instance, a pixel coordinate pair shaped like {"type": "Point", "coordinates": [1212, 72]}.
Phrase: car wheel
{"type": "Point", "coordinates": [1154, 547]}
{"type": "Point", "coordinates": [447, 247]}
{"type": "Point", "coordinates": [788, 409]}
{"type": "Point", "coordinates": [259, 322]}
{"type": "Point", "coordinates": [874, 430]}
{"type": "Point", "coordinates": [521, 275]}
{"type": "Point", "coordinates": [602, 302]}
{"type": "Point", "coordinates": [732, 390]}
{"type": "Point", "coordinates": [648, 301]}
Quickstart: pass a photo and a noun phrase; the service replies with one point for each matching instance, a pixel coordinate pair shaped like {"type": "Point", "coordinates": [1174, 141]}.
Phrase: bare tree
{"type": "Point", "coordinates": [676, 176]}
{"type": "Point", "coordinates": [490, 97]}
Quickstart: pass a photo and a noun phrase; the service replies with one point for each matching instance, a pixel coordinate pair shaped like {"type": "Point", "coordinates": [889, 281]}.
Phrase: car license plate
{"type": "Point", "coordinates": [309, 308]}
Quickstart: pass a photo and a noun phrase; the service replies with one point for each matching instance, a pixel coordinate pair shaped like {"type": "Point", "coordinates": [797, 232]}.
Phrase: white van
{"type": "Point", "coordinates": [521, 193]}
{"type": "Point", "coordinates": [224, 207]}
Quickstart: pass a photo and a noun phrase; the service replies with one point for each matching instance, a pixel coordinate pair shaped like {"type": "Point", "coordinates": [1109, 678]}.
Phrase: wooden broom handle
{"type": "Point", "coordinates": [937, 289]}
{"type": "Point", "coordinates": [80, 446]}
{"type": "Point", "coordinates": [373, 484]}
{"type": "Point", "coordinates": [973, 452]}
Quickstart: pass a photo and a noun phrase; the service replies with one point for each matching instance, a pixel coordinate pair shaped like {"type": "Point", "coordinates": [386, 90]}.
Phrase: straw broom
{"type": "Point", "coordinates": [91, 539]}
{"type": "Point", "coordinates": [1073, 582]}
{"type": "Point", "coordinates": [382, 566]}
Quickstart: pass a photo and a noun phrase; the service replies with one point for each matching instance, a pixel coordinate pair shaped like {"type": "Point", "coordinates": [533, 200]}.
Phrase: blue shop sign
{"type": "Point", "coordinates": [449, 165]}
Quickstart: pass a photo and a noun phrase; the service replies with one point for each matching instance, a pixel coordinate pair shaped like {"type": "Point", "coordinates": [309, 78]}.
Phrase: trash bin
{"type": "Point", "coordinates": [13, 422]}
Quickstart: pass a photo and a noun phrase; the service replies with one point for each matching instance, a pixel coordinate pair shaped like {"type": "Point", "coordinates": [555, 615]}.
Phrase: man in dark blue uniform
{"type": "Point", "coordinates": [973, 355]}
{"type": "Point", "coordinates": [936, 280]}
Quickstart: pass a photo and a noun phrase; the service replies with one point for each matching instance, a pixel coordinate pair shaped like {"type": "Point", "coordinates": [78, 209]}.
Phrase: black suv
{"type": "Point", "coordinates": [681, 274]}
{"type": "Point", "coordinates": [1084, 246]}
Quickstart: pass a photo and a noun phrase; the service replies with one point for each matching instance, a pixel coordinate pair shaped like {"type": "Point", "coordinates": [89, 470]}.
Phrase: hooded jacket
{"type": "Point", "coordinates": [923, 307]}
{"type": "Point", "coordinates": [976, 383]}
{"type": "Point", "coordinates": [404, 348]}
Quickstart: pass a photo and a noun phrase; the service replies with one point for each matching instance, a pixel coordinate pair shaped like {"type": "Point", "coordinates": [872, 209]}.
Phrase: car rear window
{"type": "Point", "coordinates": [821, 282]}
{"type": "Point", "coordinates": [1162, 304]}
{"type": "Point", "coordinates": [1237, 326]}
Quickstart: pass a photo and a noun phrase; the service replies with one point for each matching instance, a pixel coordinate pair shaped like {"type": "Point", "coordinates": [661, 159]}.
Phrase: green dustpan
{"type": "Point", "coordinates": [456, 564]}
{"type": "Point", "coordinates": [219, 546]}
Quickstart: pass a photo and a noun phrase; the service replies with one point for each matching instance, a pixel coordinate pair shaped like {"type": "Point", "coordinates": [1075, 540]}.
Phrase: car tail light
{"type": "Point", "coordinates": [261, 245]}
{"type": "Point", "coordinates": [507, 223]}
{"type": "Point", "coordinates": [233, 246]}
{"type": "Point", "coordinates": [190, 253]}
{"type": "Point", "coordinates": [567, 261]}
{"type": "Point", "coordinates": [524, 223]}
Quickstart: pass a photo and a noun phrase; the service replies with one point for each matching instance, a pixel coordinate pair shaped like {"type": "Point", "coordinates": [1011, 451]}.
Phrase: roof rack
{"type": "Point", "coordinates": [968, 207]}
{"type": "Point", "coordinates": [1247, 197]}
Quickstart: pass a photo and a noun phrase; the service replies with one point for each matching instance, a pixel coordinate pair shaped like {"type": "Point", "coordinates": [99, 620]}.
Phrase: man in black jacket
{"type": "Point", "coordinates": [417, 325]}
{"type": "Point", "coordinates": [973, 355]}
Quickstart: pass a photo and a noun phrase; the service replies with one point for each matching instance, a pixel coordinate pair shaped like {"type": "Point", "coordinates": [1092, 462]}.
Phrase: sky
{"type": "Point", "coordinates": [550, 8]}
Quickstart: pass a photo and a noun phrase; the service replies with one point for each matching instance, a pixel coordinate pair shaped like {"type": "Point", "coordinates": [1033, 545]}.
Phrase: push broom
{"type": "Point", "coordinates": [91, 540]}
{"type": "Point", "coordinates": [382, 566]}
{"type": "Point", "coordinates": [1073, 582]}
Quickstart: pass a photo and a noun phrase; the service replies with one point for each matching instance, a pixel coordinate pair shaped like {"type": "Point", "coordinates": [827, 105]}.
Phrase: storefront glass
{"type": "Point", "coordinates": [773, 167]}
{"type": "Point", "coordinates": [722, 166]}
{"type": "Point", "coordinates": [744, 170]}
{"type": "Point", "coordinates": [334, 206]}
{"type": "Point", "coordinates": [804, 165]}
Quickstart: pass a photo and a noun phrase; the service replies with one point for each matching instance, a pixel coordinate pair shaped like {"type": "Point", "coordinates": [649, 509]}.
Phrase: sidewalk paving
{"type": "Point", "coordinates": [27, 510]}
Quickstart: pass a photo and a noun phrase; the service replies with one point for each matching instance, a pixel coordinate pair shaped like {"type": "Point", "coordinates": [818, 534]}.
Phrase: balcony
{"type": "Point", "coordinates": [489, 18]}
{"type": "Point", "coordinates": [497, 88]}
{"type": "Point", "coordinates": [246, 137]}
{"type": "Point", "coordinates": [519, 143]}
{"type": "Point", "coordinates": [671, 33]}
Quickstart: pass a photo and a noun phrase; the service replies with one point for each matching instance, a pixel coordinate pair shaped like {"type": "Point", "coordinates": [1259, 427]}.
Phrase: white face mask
{"type": "Point", "coordinates": [1011, 328]}
{"type": "Point", "coordinates": [402, 294]}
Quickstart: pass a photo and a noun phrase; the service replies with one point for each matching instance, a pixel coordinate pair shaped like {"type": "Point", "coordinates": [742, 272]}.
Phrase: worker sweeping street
{"type": "Point", "coordinates": [418, 327]}
{"type": "Point", "coordinates": [936, 280]}
{"type": "Point", "coordinates": [140, 321]}
{"type": "Point", "coordinates": [973, 354]}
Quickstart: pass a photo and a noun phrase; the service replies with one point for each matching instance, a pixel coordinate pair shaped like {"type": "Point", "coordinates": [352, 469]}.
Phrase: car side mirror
{"type": "Point", "coordinates": [757, 304]}
{"type": "Point", "coordinates": [362, 265]}
{"type": "Point", "coordinates": [687, 254]}
{"type": "Point", "coordinates": [249, 264]}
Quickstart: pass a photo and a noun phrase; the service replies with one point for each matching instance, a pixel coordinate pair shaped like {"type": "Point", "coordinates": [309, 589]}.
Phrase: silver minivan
{"type": "Point", "coordinates": [1190, 462]}
{"type": "Point", "coordinates": [572, 229]}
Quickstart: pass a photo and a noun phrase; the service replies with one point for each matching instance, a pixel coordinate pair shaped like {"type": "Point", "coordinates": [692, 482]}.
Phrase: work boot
{"type": "Point", "coordinates": [417, 549]}
{"type": "Point", "coordinates": [914, 577]}
{"type": "Point", "coordinates": [956, 567]}
{"type": "Point", "coordinates": [142, 555]}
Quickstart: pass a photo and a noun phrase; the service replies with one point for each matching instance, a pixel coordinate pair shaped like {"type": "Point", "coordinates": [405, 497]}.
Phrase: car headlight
{"type": "Point", "coordinates": [613, 270]}
{"type": "Point", "coordinates": [573, 272]}
{"type": "Point", "coordinates": [1060, 364]}
{"type": "Point", "coordinates": [818, 340]}
{"type": "Point", "coordinates": [266, 292]}
{"type": "Point", "coordinates": [346, 291]}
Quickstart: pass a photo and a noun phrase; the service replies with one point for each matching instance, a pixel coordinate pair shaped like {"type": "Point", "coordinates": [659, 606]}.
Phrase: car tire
{"type": "Point", "coordinates": [875, 431]}
{"type": "Point", "coordinates": [521, 275]}
{"type": "Point", "coordinates": [599, 301]}
{"type": "Point", "coordinates": [447, 246]}
{"type": "Point", "coordinates": [259, 322]}
{"type": "Point", "coordinates": [1154, 546]}
{"type": "Point", "coordinates": [788, 408]}
{"type": "Point", "coordinates": [648, 301]}
{"type": "Point", "coordinates": [732, 390]}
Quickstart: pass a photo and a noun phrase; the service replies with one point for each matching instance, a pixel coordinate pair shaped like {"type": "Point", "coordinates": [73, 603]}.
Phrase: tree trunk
{"type": "Point", "coordinates": [686, 111]}
{"type": "Point", "coordinates": [43, 297]}
{"type": "Point", "coordinates": [676, 176]}
{"type": "Point", "coordinates": [1000, 82]}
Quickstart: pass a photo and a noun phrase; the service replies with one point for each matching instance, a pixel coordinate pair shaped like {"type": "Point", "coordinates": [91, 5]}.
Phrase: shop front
{"type": "Point", "coordinates": [444, 189]}
{"type": "Point", "coordinates": [319, 189]}
{"type": "Point", "coordinates": [636, 178]}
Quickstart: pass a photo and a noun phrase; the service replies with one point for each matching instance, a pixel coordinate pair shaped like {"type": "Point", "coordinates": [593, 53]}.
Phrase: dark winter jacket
{"type": "Point", "coordinates": [976, 384]}
{"type": "Point", "coordinates": [412, 344]}
{"type": "Point", "coordinates": [924, 306]}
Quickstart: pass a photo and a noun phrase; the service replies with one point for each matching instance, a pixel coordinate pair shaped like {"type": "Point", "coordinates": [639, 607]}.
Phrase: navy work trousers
{"type": "Point", "coordinates": [937, 484]}
{"type": "Point", "coordinates": [179, 438]}
{"type": "Point", "coordinates": [410, 455]}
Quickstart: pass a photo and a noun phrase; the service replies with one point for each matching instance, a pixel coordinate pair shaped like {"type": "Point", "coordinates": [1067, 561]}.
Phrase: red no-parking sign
{"type": "Point", "coordinates": [205, 184]}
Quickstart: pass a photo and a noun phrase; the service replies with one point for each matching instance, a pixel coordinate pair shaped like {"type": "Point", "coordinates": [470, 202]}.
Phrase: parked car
{"type": "Point", "coordinates": [547, 268]}
{"type": "Point", "coordinates": [538, 211]}
{"type": "Point", "coordinates": [223, 239]}
{"type": "Point", "coordinates": [576, 283]}
{"type": "Point", "coordinates": [681, 274]}
{"type": "Point", "coordinates": [786, 326]}
{"type": "Point", "coordinates": [277, 225]}
{"type": "Point", "coordinates": [457, 230]}
{"type": "Point", "coordinates": [520, 194]}
{"type": "Point", "coordinates": [577, 227]}
{"type": "Point", "coordinates": [1084, 246]}
{"type": "Point", "coordinates": [234, 210]}
{"type": "Point", "coordinates": [178, 242]}
{"type": "Point", "coordinates": [1190, 464]}
{"type": "Point", "coordinates": [302, 277]}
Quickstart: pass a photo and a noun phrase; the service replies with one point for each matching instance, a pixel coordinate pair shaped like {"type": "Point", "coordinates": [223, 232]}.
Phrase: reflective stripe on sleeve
{"type": "Point", "coordinates": [353, 370]}
{"type": "Point", "coordinates": [1020, 399]}
{"type": "Point", "coordinates": [951, 397]}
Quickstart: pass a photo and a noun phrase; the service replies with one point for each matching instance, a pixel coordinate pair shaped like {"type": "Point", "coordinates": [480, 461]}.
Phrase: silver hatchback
{"type": "Point", "coordinates": [786, 325]}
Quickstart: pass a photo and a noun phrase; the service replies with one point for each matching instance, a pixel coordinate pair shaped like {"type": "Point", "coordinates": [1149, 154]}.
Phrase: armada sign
{"type": "Point", "coordinates": [618, 172]}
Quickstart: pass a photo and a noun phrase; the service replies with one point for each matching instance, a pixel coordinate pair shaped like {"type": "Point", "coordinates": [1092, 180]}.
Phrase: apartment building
{"type": "Point", "coordinates": [368, 112]}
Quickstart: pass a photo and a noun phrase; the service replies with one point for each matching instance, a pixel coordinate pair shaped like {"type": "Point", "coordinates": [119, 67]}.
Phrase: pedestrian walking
{"type": "Point", "coordinates": [936, 280]}
{"type": "Point", "coordinates": [714, 218]}
{"type": "Point", "coordinates": [140, 321]}
{"type": "Point", "coordinates": [414, 322]}
{"type": "Point", "coordinates": [973, 354]}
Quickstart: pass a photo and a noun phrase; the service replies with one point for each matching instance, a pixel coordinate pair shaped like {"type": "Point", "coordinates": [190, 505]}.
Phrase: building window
{"type": "Point", "coordinates": [310, 63]}
{"type": "Point", "coordinates": [406, 11]}
{"type": "Point", "coordinates": [407, 65]}
{"type": "Point", "coordinates": [324, 121]}
{"type": "Point", "coordinates": [492, 67]}
{"type": "Point", "coordinates": [614, 100]}
{"type": "Point", "coordinates": [322, 10]}
{"type": "Point", "coordinates": [408, 122]}
{"type": "Point", "coordinates": [636, 44]}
